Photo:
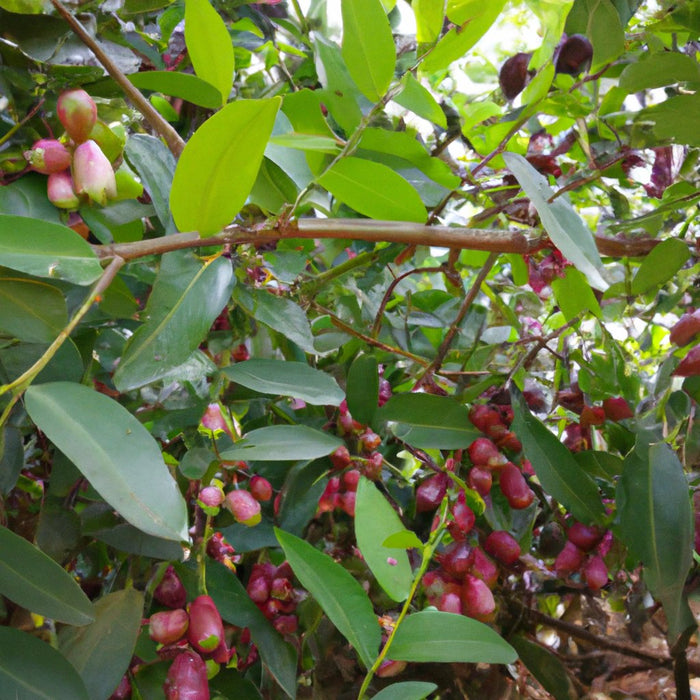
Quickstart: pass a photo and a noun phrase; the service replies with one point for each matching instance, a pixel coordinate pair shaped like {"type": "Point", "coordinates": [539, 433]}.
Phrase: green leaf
{"type": "Point", "coordinates": [474, 18]}
{"type": "Point", "coordinates": [430, 18]}
{"type": "Point", "coordinates": [661, 265]}
{"type": "Point", "coordinates": [187, 297]}
{"type": "Point", "coordinates": [32, 311]}
{"type": "Point", "coordinates": [369, 54]}
{"type": "Point", "coordinates": [657, 70]}
{"type": "Point", "coordinates": [564, 226]}
{"type": "Point", "coordinates": [282, 378]}
{"type": "Point", "coordinates": [155, 165]}
{"type": "Point", "coordinates": [656, 523]}
{"type": "Point", "coordinates": [374, 190]}
{"type": "Point", "coordinates": [342, 598]}
{"type": "Point", "coordinates": [307, 142]}
{"type": "Point", "coordinates": [45, 249]}
{"type": "Point", "coordinates": [674, 119]}
{"type": "Point", "coordinates": [574, 295]}
{"type": "Point", "coordinates": [283, 442]}
{"type": "Point", "coordinates": [24, 7]}
{"type": "Point", "coordinates": [426, 420]}
{"type": "Point", "coordinates": [557, 470]}
{"type": "Point", "coordinates": [11, 457]}
{"type": "Point", "coordinates": [218, 167]}
{"type": "Point", "coordinates": [419, 99]}
{"type": "Point", "coordinates": [404, 539]}
{"type": "Point", "coordinates": [114, 452]}
{"type": "Point", "coordinates": [545, 667]}
{"type": "Point", "coordinates": [209, 46]}
{"type": "Point", "coordinates": [184, 85]}
{"type": "Point", "coordinates": [31, 579]}
{"type": "Point", "coordinates": [604, 29]}
{"type": "Point", "coordinates": [363, 388]}
{"type": "Point", "coordinates": [102, 651]}
{"type": "Point", "coordinates": [435, 636]}
{"type": "Point", "coordinates": [279, 313]}
{"type": "Point", "coordinates": [375, 520]}
{"type": "Point", "coordinates": [32, 670]}
{"type": "Point", "coordinates": [408, 690]}
{"type": "Point", "coordinates": [235, 606]}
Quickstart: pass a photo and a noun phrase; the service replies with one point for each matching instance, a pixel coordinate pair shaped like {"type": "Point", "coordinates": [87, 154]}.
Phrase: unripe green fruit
{"type": "Point", "coordinates": [77, 112]}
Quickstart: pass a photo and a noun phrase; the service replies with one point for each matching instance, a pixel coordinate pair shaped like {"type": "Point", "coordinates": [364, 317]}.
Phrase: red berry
{"type": "Point", "coordinates": [457, 558]}
{"type": "Point", "coordinates": [568, 560]}
{"type": "Point", "coordinates": [450, 601]}
{"type": "Point", "coordinates": [477, 599]}
{"type": "Point", "coordinates": [430, 493]}
{"type": "Point", "coordinates": [168, 626]}
{"type": "Point", "coordinates": [123, 690]}
{"type": "Point", "coordinates": [372, 467]}
{"type": "Point", "coordinates": [595, 573]}
{"type": "Point", "coordinates": [347, 502]}
{"type": "Point", "coordinates": [260, 488]}
{"type": "Point", "coordinates": [369, 440]}
{"type": "Point", "coordinates": [170, 591]}
{"type": "Point", "coordinates": [206, 630]}
{"type": "Point", "coordinates": [244, 507]}
{"type": "Point", "coordinates": [350, 479]}
{"type": "Point", "coordinates": [515, 488]}
{"type": "Point", "coordinates": [390, 668]}
{"type": "Point", "coordinates": [240, 353]}
{"type": "Point", "coordinates": [509, 441]}
{"type": "Point", "coordinates": [514, 75]}
{"type": "Point", "coordinates": [585, 537]}
{"type": "Point", "coordinates": [463, 515]}
{"type": "Point", "coordinates": [187, 678]}
{"type": "Point", "coordinates": [617, 409]}
{"type": "Point", "coordinates": [484, 453]}
{"type": "Point", "coordinates": [341, 458]}
{"type": "Point", "coordinates": [329, 498]}
{"type": "Point", "coordinates": [258, 589]}
{"type": "Point", "coordinates": [484, 568]}
{"type": "Point", "coordinates": [685, 329]}
{"type": "Point", "coordinates": [286, 624]}
{"type": "Point", "coordinates": [503, 546]}
{"type": "Point", "coordinates": [480, 479]}
{"type": "Point", "coordinates": [592, 415]}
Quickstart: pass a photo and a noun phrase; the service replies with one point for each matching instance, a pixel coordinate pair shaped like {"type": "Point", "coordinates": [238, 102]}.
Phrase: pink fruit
{"type": "Point", "coordinates": [341, 458]}
{"type": "Point", "coordinates": [347, 502]}
{"type": "Point", "coordinates": [48, 156]}
{"type": "Point", "coordinates": [595, 573]}
{"type": "Point", "coordinates": [515, 488]}
{"type": "Point", "coordinates": [244, 507]}
{"type": "Point", "coordinates": [258, 589]}
{"type": "Point", "coordinates": [430, 493]}
{"type": "Point", "coordinates": [457, 558]}
{"type": "Point", "coordinates": [211, 496]}
{"type": "Point", "coordinates": [585, 537]}
{"type": "Point", "coordinates": [390, 668]}
{"type": "Point", "coordinates": [351, 479]}
{"type": "Point", "coordinates": [477, 599]}
{"type": "Point", "coordinates": [617, 409]}
{"type": "Point", "coordinates": [77, 112]}
{"type": "Point", "coordinates": [260, 488]}
{"type": "Point", "coordinates": [568, 560]}
{"type": "Point", "coordinates": [685, 329]}
{"type": "Point", "coordinates": [170, 591]}
{"type": "Point", "coordinates": [484, 453]}
{"type": "Point", "coordinates": [503, 546]}
{"type": "Point", "coordinates": [481, 480]}
{"type": "Point", "coordinates": [450, 602]}
{"type": "Point", "coordinates": [206, 630]}
{"type": "Point", "coordinates": [168, 626]}
{"type": "Point", "coordinates": [286, 624]}
{"type": "Point", "coordinates": [123, 690]}
{"type": "Point", "coordinates": [372, 468]}
{"type": "Point", "coordinates": [93, 175]}
{"type": "Point", "coordinates": [60, 190]}
{"type": "Point", "coordinates": [484, 568]}
{"type": "Point", "coordinates": [369, 440]}
{"type": "Point", "coordinates": [463, 515]}
{"type": "Point", "coordinates": [187, 678]}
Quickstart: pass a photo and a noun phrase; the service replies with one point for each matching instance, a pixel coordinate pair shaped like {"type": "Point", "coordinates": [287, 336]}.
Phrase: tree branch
{"type": "Point", "coordinates": [170, 136]}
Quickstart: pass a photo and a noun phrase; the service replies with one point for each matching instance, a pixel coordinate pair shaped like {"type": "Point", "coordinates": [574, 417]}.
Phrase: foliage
{"type": "Point", "coordinates": [379, 352]}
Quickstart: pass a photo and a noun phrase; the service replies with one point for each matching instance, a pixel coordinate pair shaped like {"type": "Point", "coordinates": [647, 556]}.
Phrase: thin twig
{"type": "Point", "coordinates": [173, 140]}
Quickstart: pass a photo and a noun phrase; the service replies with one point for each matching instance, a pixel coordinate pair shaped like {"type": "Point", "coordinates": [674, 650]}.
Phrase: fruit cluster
{"type": "Point", "coordinates": [270, 588]}
{"type": "Point", "coordinates": [80, 164]}
{"type": "Point", "coordinates": [583, 552]}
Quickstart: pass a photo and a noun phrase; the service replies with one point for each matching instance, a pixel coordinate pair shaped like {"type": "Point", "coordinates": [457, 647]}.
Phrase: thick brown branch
{"type": "Point", "coordinates": [170, 136]}
{"type": "Point", "coordinates": [489, 240]}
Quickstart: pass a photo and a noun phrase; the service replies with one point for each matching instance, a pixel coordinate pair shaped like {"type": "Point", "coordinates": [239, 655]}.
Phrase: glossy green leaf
{"type": "Point", "coordinates": [280, 314]}
{"type": "Point", "coordinates": [126, 538]}
{"type": "Point", "coordinates": [674, 119]}
{"type": "Point", "coordinates": [545, 667]}
{"type": "Point", "coordinates": [556, 469]}
{"type": "Point", "coordinates": [564, 226]}
{"type": "Point", "coordinates": [574, 295]}
{"type": "Point", "coordinates": [114, 452]}
{"type": "Point", "coordinates": [218, 167]}
{"type": "Point", "coordinates": [656, 523]}
{"type": "Point", "coordinates": [31, 579]}
{"type": "Point", "coordinates": [408, 690]}
{"type": "Point", "coordinates": [235, 606]}
{"type": "Point", "coordinates": [184, 85]}
{"type": "Point", "coordinates": [426, 420]}
{"type": "Point", "coordinates": [282, 378]}
{"type": "Point", "coordinates": [473, 19]}
{"type": "Point", "coordinates": [405, 539]}
{"type": "Point", "coordinates": [46, 249]}
{"type": "Point", "coordinates": [307, 142]}
{"type": "Point", "coordinates": [342, 598]}
{"type": "Point", "coordinates": [430, 18]}
{"type": "Point", "coordinates": [419, 99]}
{"type": "Point", "coordinates": [369, 55]}
{"type": "Point", "coordinates": [187, 297]}
{"type": "Point", "coordinates": [657, 70]}
{"type": "Point", "coordinates": [435, 636]}
{"type": "Point", "coordinates": [661, 265]}
{"type": "Point", "coordinates": [102, 651]}
{"type": "Point", "coordinates": [604, 29]}
{"type": "Point", "coordinates": [363, 388]}
{"type": "Point", "coordinates": [276, 442]}
{"type": "Point", "coordinates": [375, 520]}
{"type": "Point", "coordinates": [30, 310]}
{"type": "Point", "coordinates": [33, 670]}
{"type": "Point", "coordinates": [155, 165]}
{"type": "Point", "coordinates": [374, 190]}
{"type": "Point", "coordinates": [209, 46]}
